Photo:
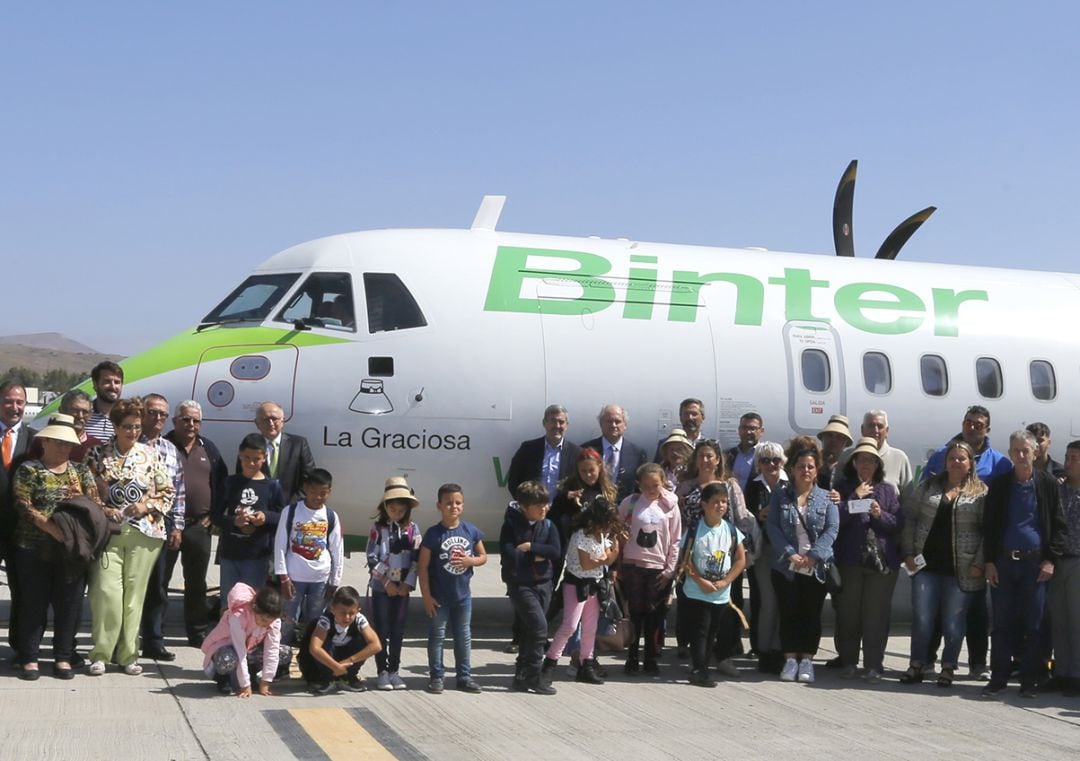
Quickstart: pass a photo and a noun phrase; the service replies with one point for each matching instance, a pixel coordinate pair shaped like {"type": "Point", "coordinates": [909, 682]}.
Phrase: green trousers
{"type": "Point", "coordinates": [117, 588]}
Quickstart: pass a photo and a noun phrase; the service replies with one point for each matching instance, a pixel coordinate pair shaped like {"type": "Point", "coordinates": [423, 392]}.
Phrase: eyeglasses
{"type": "Point", "coordinates": [131, 427]}
{"type": "Point", "coordinates": [770, 460]}
{"type": "Point", "coordinates": [189, 420]}
{"type": "Point", "coordinates": [271, 419]}
{"type": "Point", "coordinates": [157, 414]}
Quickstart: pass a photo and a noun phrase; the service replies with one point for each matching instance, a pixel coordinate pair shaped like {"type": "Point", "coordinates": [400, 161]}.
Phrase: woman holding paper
{"type": "Point", "coordinates": [942, 542]}
{"type": "Point", "coordinates": [802, 525]}
{"type": "Point", "coordinates": [867, 551]}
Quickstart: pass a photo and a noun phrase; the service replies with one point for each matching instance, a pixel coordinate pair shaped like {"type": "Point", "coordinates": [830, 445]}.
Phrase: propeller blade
{"type": "Point", "coordinates": [898, 237]}
{"type": "Point", "coordinates": [842, 231]}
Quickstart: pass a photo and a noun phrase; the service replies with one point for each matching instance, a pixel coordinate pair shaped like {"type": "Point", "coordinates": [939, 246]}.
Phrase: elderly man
{"type": "Point", "coordinates": [875, 425]}
{"type": "Point", "coordinates": [15, 439]}
{"type": "Point", "coordinates": [1024, 536]}
{"type": "Point", "coordinates": [288, 455]}
{"type": "Point", "coordinates": [622, 458]}
{"type": "Point", "coordinates": [108, 380]}
{"type": "Point", "coordinates": [740, 458]}
{"type": "Point", "coordinates": [155, 415]}
{"type": "Point", "coordinates": [549, 458]}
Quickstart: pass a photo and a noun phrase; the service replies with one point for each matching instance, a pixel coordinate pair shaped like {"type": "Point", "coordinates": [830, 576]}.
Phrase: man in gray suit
{"type": "Point", "coordinates": [288, 456]}
{"type": "Point", "coordinates": [621, 457]}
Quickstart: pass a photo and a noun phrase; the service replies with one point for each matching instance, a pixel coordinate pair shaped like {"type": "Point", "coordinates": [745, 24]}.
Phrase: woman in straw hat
{"type": "Point", "coordinates": [392, 550]}
{"type": "Point", "coordinates": [867, 551]}
{"type": "Point", "coordinates": [39, 486]}
{"type": "Point", "coordinates": [675, 453]}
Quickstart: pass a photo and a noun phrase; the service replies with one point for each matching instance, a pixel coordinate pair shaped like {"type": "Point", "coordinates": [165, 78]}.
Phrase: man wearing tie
{"type": "Point", "coordinates": [288, 456]}
{"type": "Point", "coordinates": [15, 438]}
{"type": "Point", "coordinates": [622, 458]}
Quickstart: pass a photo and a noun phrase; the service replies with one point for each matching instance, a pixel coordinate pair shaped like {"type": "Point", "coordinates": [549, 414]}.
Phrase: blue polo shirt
{"type": "Point", "coordinates": [1022, 518]}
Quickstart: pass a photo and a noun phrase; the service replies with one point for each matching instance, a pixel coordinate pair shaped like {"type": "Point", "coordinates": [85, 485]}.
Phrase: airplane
{"type": "Point", "coordinates": [432, 353]}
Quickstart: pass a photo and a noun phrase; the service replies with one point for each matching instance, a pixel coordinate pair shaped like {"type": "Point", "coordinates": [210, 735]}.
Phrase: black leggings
{"type": "Point", "coordinates": [799, 601]}
{"type": "Point", "coordinates": [648, 606]}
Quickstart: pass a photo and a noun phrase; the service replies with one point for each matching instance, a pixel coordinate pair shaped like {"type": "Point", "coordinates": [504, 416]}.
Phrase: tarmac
{"type": "Point", "coordinates": [172, 711]}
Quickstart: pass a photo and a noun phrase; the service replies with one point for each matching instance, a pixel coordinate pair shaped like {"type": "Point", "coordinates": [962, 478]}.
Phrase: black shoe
{"type": "Point", "coordinates": [914, 675]}
{"type": "Point", "coordinates": [701, 679]}
{"type": "Point", "coordinates": [651, 668]}
{"type": "Point", "coordinates": [513, 647]}
{"type": "Point", "coordinates": [587, 673]}
{"type": "Point", "coordinates": [546, 670]}
{"type": "Point", "coordinates": [632, 666]}
{"type": "Point", "coordinates": [1029, 691]}
{"type": "Point", "coordinates": [30, 675]}
{"type": "Point", "coordinates": [352, 683]}
{"type": "Point", "coordinates": [993, 689]}
{"type": "Point", "coordinates": [77, 660]}
{"type": "Point", "coordinates": [541, 687]}
{"type": "Point", "coordinates": [519, 685]}
{"type": "Point", "coordinates": [158, 654]}
{"type": "Point", "coordinates": [64, 673]}
{"type": "Point", "coordinates": [600, 670]}
{"type": "Point", "coordinates": [325, 688]}
{"type": "Point", "coordinates": [469, 686]}
{"type": "Point", "coordinates": [834, 663]}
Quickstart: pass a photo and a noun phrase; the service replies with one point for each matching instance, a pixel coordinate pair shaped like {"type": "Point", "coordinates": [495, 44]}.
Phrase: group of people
{"type": "Point", "coordinates": [599, 538]}
{"type": "Point", "coordinates": [831, 516]}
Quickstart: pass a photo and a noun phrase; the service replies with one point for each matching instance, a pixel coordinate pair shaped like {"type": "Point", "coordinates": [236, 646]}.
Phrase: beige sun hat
{"type": "Point", "coordinates": [396, 487]}
{"type": "Point", "coordinates": [867, 444]}
{"type": "Point", "coordinates": [60, 428]}
{"type": "Point", "coordinates": [678, 436]}
{"type": "Point", "coordinates": [838, 424]}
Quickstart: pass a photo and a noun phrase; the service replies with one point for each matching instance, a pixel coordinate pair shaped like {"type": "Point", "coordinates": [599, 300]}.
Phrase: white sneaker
{"type": "Point", "coordinates": [397, 682]}
{"type": "Point", "coordinates": [97, 668]}
{"type": "Point", "coordinates": [790, 670]}
{"type": "Point", "coordinates": [806, 671]}
{"type": "Point", "coordinates": [384, 681]}
{"type": "Point", "coordinates": [133, 669]}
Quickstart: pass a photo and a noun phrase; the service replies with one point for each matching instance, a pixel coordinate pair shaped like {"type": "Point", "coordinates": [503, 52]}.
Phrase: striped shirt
{"type": "Point", "coordinates": [99, 426]}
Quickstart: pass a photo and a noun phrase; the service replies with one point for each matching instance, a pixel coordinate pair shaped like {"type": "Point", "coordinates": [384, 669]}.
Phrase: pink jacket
{"type": "Point", "coordinates": [237, 627]}
{"type": "Point", "coordinates": [655, 532]}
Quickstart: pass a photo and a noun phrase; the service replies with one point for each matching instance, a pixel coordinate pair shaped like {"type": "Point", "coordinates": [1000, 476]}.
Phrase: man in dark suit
{"type": "Point", "coordinates": [548, 459]}
{"type": "Point", "coordinates": [15, 439]}
{"type": "Point", "coordinates": [288, 457]}
{"type": "Point", "coordinates": [622, 458]}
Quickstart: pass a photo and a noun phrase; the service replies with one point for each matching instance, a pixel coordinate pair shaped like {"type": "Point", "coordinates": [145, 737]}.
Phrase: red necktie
{"type": "Point", "coordinates": [9, 446]}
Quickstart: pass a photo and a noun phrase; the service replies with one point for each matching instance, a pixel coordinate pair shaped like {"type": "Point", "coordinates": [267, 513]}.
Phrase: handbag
{"type": "Point", "coordinates": [832, 573]}
{"type": "Point", "coordinates": [620, 631]}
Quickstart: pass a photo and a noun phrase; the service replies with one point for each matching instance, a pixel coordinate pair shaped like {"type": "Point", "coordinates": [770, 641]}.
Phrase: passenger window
{"type": "Point", "coordinates": [390, 306]}
{"type": "Point", "coordinates": [816, 374]}
{"type": "Point", "coordinates": [877, 372]}
{"type": "Point", "coordinates": [324, 301]}
{"type": "Point", "coordinates": [253, 299]}
{"type": "Point", "coordinates": [988, 376]}
{"type": "Point", "coordinates": [1043, 381]}
{"type": "Point", "coordinates": [935, 375]}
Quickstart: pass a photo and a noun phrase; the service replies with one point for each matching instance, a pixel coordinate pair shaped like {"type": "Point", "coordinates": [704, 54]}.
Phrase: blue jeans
{"type": "Point", "coordinates": [388, 616]}
{"type": "Point", "coordinates": [459, 615]}
{"type": "Point", "coordinates": [308, 599]}
{"type": "Point", "coordinates": [251, 572]}
{"type": "Point", "coordinates": [931, 593]}
{"type": "Point", "coordinates": [1019, 601]}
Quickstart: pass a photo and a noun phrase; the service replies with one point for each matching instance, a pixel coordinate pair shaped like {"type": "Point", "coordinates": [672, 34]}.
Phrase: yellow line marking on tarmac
{"type": "Point", "coordinates": [339, 734]}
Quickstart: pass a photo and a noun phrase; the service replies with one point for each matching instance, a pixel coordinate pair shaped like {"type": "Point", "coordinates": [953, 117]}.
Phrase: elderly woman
{"type": "Point", "coordinates": [942, 542]}
{"type": "Point", "coordinates": [868, 556]}
{"type": "Point", "coordinates": [675, 453]}
{"type": "Point", "coordinates": [769, 461]}
{"type": "Point", "coordinates": [802, 525]}
{"type": "Point", "coordinates": [39, 486]}
{"type": "Point", "coordinates": [707, 466]}
{"type": "Point", "coordinates": [135, 486]}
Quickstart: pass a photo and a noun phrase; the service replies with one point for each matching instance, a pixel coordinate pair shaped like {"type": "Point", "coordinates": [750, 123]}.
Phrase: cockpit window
{"type": "Point", "coordinates": [253, 299]}
{"type": "Point", "coordinates": [324, 301]}
{"type": "Point", "coordinates": [390, 306]}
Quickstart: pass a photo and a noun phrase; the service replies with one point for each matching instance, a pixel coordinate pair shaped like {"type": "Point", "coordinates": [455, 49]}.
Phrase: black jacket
{"type": "Point", "coordinates": [294, 464]}
{"type": "Point", "coordinates": [528, 569]}
{"type": "Point", "coordinates": [1052, 525]}
{"type": "Point", "coordinates": [528, 461]}
{"type": "Point", "coordinates": [631, 457]}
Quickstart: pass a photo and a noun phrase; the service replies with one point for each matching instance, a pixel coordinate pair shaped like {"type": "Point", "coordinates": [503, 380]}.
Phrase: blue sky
{"type": "Point", "coordinates": [152, 154]}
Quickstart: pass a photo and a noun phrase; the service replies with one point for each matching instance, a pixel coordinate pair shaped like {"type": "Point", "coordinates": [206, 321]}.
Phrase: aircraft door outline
{"type": "Point", "coordinates": [815, 373]}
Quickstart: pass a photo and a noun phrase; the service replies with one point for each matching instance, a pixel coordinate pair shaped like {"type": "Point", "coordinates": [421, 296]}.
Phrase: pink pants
{"type": "Point", "coordinates": [588, 613]}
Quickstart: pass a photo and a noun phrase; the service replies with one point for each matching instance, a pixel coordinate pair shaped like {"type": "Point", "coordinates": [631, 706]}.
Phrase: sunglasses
{"type": "Point", "coordinates": [770, 460]}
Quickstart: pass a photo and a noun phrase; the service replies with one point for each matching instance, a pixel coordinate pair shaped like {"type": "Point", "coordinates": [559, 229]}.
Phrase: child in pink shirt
{"type": "Point", "coordinates": [253, 619]}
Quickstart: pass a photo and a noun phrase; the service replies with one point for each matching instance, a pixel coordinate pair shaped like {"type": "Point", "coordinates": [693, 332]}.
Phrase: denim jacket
{"type": "Point", "coordinates": [822, 522]}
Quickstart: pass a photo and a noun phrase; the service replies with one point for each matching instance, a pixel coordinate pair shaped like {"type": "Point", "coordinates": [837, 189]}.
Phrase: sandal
{"type": "Point", "coordinates": [946, 677]}
{"type": "Point", "coordinates": [914, 675]}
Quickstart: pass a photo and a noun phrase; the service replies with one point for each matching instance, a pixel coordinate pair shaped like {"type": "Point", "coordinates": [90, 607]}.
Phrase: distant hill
{"type": "Point", "coordinates": [52, 341]}
{"type": "Point", "coordinates": [42, 352]}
